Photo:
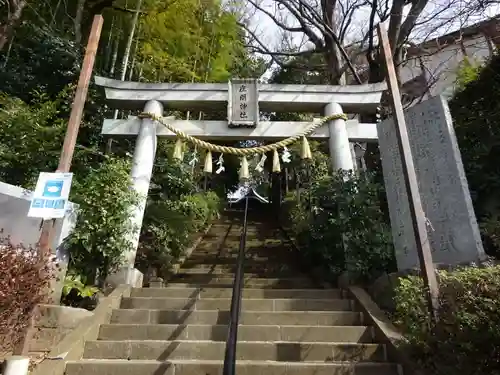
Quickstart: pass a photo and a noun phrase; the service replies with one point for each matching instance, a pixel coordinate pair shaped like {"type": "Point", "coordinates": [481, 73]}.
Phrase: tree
{"type": "Point", "coordinates": [100, 239]}
{"type": "Point", "coordinates": [30, 139]}
{"type": "Point", "coordinates": [343, 33]}
{"type": "Point", "coordinates": [188, 41]}
{"type": "Point", "coordinates": [39, 62]}
{"type": "Point", "coordinates": [14, 13]}
{"type": "Point", "coordinates": [474, 108]}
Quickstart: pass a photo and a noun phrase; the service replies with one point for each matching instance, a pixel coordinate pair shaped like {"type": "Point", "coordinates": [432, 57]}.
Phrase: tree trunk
{"type": "Point", "coordinates": [131, 70]}
{"type": "Point", "coordinates": [130, 39]}
{"type": "Point", "coordinates": [372, 153]}
{"type": "Point", "coordinates": [78, 21]}
{"type": "Point", "coordinates": [333, 59]}
{"type": "Point", "coordinates": [114, 56]}
{"type": "Point", "coordinates": [287, 189]}
{"type": "Point", "coordinates": [7, 55]}
{"type": "Point", "coordinates": [134, 55]}
{"type": "Point", "coordinates": [54, 14]}
{"type": "Point", "coordinates": [126, 56]}
{"type": "Point", "coordinates": [13, 19]}
{"type": "Point", "coordinates": [109, 47]}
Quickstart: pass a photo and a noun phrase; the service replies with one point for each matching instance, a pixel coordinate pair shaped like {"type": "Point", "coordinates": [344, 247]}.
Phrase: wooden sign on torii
{"type": "Point", "coordinates": [243, 99]}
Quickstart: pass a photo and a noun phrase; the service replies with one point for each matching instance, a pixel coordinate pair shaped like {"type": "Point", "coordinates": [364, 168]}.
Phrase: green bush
{"type": "Point", "coordinates": [467, 337]}
{"type": "Point", "coordinates": [76, 294]}
{"type": "Point", "coordinates": [474, 109]}
{"type": "Point", "coordinates": [169, 227]}
{"type": "Point", "coordinates": [100, 237]}
{"type": "Point", "coordinates": [490, 228]}
{"type": "Point", "coordinates": [32, 133]}
{"type": "Point", "coordinates": [339, 226]}
{"type": "Point", "coordinates": [468, 71]}
{"type": "Point", "coordinates": [30, 138]}
{"type": "Point", "coordinates": [213, 205]}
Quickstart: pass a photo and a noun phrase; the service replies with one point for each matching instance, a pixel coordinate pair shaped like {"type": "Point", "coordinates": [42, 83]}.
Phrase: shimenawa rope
{"type": "Point", "coordinates": [243, 151]}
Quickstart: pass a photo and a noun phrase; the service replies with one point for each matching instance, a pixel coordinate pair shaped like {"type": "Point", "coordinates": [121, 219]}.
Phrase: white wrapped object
{"type": "Point", "coordinates": [16, 365]}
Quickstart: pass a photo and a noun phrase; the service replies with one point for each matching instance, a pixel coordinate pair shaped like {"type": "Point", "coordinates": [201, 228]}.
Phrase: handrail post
{"type": "Point", "coordinates": [232, 337]}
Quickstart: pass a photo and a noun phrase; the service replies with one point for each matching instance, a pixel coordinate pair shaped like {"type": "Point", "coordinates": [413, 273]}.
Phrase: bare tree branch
{"type": "Point", "coordinates": [315, 39]}
{"type": "Point", "coordinates": [266, 51]}
{"type": "Point", "coordinates": [371, 26]}
{"type": "Point", "coordinates": [349, 16]}
{"type": "Point", "coordinates": [262, 47]}
{"type": "Point", "coordinates": [275, 19]}
{"type": "Point", "coordinates": [330, 24]}
{"type": "Point", "coordinates": [409, 23]}
{"type": "Point", "coordinates": [14, 13]}
{"type": "Point", "coordinates": [395, 21]}
{"type": "Point", "coordinates": [331, 34]}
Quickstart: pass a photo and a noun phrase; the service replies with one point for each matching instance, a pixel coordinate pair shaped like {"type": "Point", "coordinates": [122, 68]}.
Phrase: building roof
{"type": "Point", "coordinates": [489, 26]}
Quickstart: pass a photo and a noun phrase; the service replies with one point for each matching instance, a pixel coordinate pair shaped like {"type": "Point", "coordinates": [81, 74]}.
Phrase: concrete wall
{"type": "Point", "coordinates": [52, 323]}
{"type": "Point", "coordinates": [14, 206]}
{"type": "Point", "coordinates": [442, 64]}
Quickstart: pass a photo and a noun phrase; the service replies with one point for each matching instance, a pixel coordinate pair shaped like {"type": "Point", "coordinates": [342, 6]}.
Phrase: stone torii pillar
{"type": "Point", "coordinates": [141, 173]}
{"type": "Point", "coordinates": [142, 170]}
{"type": "Point", "coordinates": [338, 142]}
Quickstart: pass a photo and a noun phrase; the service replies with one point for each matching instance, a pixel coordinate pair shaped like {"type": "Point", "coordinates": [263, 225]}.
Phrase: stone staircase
{"type": "Point", "coordinates": [287, 326]}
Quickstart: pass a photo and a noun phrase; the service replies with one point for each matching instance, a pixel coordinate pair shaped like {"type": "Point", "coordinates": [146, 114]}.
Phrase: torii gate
{"type": "Point", "coordinates": [244, 99]}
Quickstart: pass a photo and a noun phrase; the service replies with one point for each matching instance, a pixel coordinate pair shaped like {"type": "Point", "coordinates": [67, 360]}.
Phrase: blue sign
{"type": "Point", "coordinates": [50, 197]}
{"type": "Point", "coordinates": [53, 188]}
{"type": "Point", "coordinates": [48, 203]}
{"type": "Point", "coordinates": [37, 203]}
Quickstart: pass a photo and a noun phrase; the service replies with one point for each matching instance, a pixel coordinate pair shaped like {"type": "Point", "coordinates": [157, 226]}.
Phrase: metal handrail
{"type": "Point", "coordinates": [232, 336]}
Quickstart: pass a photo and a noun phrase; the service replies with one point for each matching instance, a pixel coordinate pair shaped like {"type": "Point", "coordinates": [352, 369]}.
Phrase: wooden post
{"type": "Point", "coordinates": [75, 119]}
{"type": "Point", "coordinates": [67, 151]}
{"type": "Point", "coordinates": [410, 177]}
{"type": "Point", "coordinates": [80, 95]}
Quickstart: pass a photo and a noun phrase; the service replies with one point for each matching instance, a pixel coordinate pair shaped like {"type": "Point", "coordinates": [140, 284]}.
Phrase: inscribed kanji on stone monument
{"type": "Point", "coordinates": [452, 227]}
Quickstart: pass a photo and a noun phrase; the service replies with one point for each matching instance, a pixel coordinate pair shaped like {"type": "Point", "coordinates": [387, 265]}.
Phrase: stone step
{"type": "Point", "coordinates": [208, 261]}
{"type": "Point", "coordinates": [229, 285]}
{"type": "Point", "coordinates": [196, 367]}
{"type": "Point", "coordinates": [254, 250]}
{"type": "Point", "coordinates": [313, 318]}
{"type": "Point", "coordinates": [250, 351]}
{"type": "Point", "coordinates": [261, 271]}
{"type": "Point", "coordinates": [172, 332]}
{"type": "Point", "coordinates": [231, 258]}
{"type": "Point", "coordinates": [296, 283]}
{"type": "Point", "coordinates": [173, 292]}
{"type": "Point", "coordinates": [292, 304]}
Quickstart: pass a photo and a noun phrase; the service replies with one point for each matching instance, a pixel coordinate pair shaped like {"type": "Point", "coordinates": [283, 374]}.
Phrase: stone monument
{"type": "Point", "coordinates": [452, 227]}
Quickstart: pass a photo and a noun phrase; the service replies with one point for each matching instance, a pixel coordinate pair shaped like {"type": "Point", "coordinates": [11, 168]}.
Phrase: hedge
{"type": "Point", "coordinates": [25, 282]}
{"type": "Point", "coordinates": [467, 337]}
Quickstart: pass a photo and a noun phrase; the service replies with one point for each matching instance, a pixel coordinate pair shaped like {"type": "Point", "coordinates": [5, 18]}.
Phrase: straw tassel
{"type": "Point", "coordinates": [244, 175]}
{"type": "Point", "coordinates": [276, 162]}
{"type": "Point", "coordinates": [208, 162]}
{"type": "Point", "coordinates": [178, 150]}
{"type": "Point", "coordinates": [305, 151]}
